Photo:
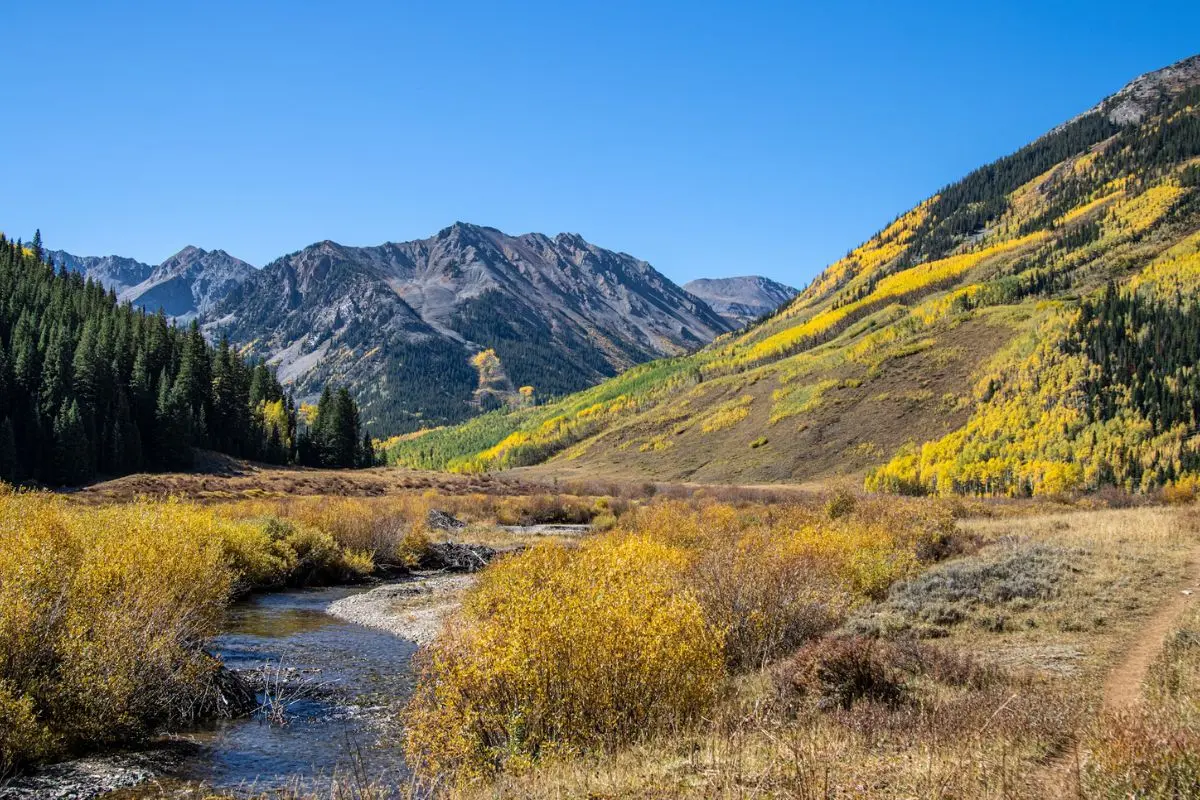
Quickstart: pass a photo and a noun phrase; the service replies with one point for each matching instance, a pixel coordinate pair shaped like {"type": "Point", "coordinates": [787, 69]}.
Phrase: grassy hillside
{"type": "Point", "coordinates": [958, 307]}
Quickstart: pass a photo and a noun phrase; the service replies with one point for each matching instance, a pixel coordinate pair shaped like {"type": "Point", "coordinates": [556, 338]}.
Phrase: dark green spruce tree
{"type": "Point", "coordinates": [90, 386]}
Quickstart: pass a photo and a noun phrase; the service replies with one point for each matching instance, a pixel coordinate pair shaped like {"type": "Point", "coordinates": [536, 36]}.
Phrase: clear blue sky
{"type": "Point", "coordinates": [710, 139]}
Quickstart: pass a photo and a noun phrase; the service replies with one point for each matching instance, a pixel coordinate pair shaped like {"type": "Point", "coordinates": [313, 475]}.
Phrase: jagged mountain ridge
{"type": "Point", "coordinates": [185, 286]}
{"type": "Point", "coordinates": [743, 299]}
{"type": "Point", "coordinates": [913, 335]}
{"type": "Point", "coordinates": [399, 322]}
{"type": "Point", "coordinates": [190, 283]}
{"type": "Point", "coordinates": [112, 272]}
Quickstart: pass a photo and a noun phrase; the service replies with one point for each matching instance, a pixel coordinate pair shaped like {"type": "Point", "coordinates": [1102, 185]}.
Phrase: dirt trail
{"type": "Point", "coordinates": [1122, 687]}
{"type": "Point", "coordinates": [1123, 684]}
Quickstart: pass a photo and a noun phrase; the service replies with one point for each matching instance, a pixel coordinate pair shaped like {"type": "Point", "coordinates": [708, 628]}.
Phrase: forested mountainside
{"type": "Point", "coordinates": [90, 385]}
{"type": "Point", "coordinates": [741, 300]}
{"type": "Point", "coordinates": [433, 331]}
{"type": "Point", "coordinates": [1028, 329]}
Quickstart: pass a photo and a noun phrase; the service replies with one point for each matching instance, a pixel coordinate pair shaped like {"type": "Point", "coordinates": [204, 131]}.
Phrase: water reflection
{"type": "Point", "coordinates": [359, 675]}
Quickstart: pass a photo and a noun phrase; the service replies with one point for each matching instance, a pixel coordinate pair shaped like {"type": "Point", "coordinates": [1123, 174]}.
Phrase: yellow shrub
{"type": "Point", "coordinates": [727, 414]}
{"type": "Point", "coordinates": [376, 527]}
{"type": "Point", "coordinates": [101, 615]}
{"type": "Point", "coordinates": [104, 612]}
{"type": "Point", "coordinates": [22, 736]}
{"type": "Point", "coordinates": [769, 577]}
{"type": "Point", "coordinates": [1182, 491]}
{"type": "Point", "coordinates": [564, 649]}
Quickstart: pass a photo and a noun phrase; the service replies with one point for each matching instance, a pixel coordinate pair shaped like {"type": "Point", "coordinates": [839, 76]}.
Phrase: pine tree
{"type": "Point", "coordinates": [90, 384]}
{"type": "Point", "coordinates": [342, 444]}
{"type": "Point", "coordinates": [367, 453]}
{"type": "Point", "coordinates": [172, 425]}
{"type": "Point", "coordinates": [70, 464]}
{"type": "Point", "coordinates": [8, 452]}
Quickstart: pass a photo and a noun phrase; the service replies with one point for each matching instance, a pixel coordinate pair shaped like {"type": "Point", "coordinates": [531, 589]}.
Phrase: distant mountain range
{"type": "Point", "coordinates": [186, 286]}
{"type": "Point", "coordinates": [741, 300]}
{"type": "Point", "coordinates": [408, 325]}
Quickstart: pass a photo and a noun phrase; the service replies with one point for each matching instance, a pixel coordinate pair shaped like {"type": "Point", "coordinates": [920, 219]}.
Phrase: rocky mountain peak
{"type": "Point", "coordinates": [1140, 96]}
{"type": "Point", "coordinates": [187, 253]}
{"type": "Point", "coordinates": [559, 313]}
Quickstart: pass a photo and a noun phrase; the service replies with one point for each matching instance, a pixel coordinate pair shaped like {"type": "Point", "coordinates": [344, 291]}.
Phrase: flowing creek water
{"type": "Point", "coordinates": [354, 678]}
{"type": "Point", "coordinates": [342, 684]}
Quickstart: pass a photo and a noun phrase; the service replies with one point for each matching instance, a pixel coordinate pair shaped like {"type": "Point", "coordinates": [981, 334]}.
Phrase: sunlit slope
{"type": "Point", "coordinates": [890, 345]}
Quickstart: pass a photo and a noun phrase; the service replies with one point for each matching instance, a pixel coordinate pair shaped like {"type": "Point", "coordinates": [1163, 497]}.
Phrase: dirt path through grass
{"type": "Point", "coordinates": [1122, 687]}
{"type": "Point", "coordinates": [1123, 683]}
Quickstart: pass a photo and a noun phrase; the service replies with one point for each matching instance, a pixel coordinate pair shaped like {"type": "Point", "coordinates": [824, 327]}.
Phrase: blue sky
{"type": "Point", "coordinates": [707, 138]}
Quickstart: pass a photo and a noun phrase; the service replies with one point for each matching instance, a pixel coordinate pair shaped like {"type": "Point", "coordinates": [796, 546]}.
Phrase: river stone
{"type": "Point", "coordinates": [95, 776]}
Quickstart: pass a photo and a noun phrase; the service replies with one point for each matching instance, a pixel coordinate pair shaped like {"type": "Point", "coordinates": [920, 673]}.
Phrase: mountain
{"type": "Point", "coordinates": [113, 272]}
{"type": "Point", "coordinates": [431, 331]}
{"type": "Point", "coordinates": [1032, 328]}
{"type": "Point", "coordinates": [190, 283]}
{"type": "Point", "coordinates": [741, 300]}
{"type": "Point", "coordinates": [185, 286]}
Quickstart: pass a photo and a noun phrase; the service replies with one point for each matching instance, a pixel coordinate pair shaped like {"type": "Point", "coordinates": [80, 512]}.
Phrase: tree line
{"type": "Point", "coordinates": [91, 386]}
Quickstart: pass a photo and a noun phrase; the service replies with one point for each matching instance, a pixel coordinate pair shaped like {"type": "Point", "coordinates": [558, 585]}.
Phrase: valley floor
{"type": "Point", "coordinates": [1069, 634]}
{"type": "Point", "coordinates": [867, 647]}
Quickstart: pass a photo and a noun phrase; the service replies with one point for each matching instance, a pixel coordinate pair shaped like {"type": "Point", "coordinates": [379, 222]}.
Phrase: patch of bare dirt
{"type": "Point", "coordinates": [222, 478]}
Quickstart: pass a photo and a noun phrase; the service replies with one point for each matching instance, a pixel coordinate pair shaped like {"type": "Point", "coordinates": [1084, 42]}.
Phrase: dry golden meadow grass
{"type": "Point", "coordinates": [1005, 701]}
{"type": "Point", "coordinates": [714, 643]}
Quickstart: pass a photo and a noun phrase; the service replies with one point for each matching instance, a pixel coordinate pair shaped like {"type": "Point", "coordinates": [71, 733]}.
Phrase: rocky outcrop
{"type": "Point", "coordinates": [190, 283]}
{"type": "Point", "coordinates": [113, 272]}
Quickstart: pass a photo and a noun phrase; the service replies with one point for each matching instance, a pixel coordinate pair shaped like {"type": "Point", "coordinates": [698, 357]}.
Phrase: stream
{"type": "Point", "coordinates": [353, 680]}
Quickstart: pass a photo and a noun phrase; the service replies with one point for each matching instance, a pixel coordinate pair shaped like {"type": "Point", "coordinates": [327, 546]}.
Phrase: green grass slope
{"type": "Point", "coordinates": [918, 334]}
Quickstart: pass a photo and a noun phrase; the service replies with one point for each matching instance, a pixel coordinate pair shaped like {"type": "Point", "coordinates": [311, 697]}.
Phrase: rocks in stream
{"type": "Point", "coordinates": [457, 557]}
{"type": "Point", "coordinates": [95, 776]}
{"type": "Point", "coordinates": [412, 609]}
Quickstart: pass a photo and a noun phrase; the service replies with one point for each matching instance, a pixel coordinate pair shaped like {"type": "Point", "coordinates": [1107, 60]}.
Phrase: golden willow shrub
{"type": "Point", "coordinates": [772, 577]}
{"type": "Point", "coordinates": [389, 531]}
{"type": "Point", "coordinates": [564, 650]}
{"type": "Point", "coordinates": [101, 615]}
{"type": "Point", "coordinates": [104, 611]}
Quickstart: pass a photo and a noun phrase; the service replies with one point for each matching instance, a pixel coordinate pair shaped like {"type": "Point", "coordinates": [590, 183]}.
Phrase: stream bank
{"type": "Point", "coordinates": [338, 684]}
